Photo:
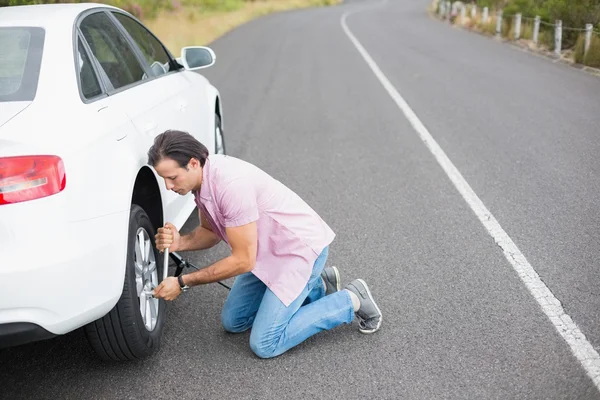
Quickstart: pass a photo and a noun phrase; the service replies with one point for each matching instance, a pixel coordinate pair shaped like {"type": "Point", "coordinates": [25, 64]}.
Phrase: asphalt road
{"type": "Point", "coordinates": [303, 104]}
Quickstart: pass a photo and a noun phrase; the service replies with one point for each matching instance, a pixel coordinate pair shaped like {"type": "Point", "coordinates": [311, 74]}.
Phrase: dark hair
{"type": "Point", "coordinates": [178, 146]}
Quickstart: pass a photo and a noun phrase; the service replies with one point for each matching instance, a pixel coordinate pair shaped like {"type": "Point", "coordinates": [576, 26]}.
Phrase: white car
{"type": "Point", "coordinates": [84, 90]}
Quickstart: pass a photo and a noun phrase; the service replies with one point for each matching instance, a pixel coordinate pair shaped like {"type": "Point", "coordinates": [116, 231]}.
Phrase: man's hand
{"type": "Point", "coordinates": [168, 237]}
{"type": "Point", "coordinates": [168, 289]}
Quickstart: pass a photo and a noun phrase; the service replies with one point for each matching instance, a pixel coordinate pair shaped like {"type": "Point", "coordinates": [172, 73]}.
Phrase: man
{"type": "Point", "coordinates": [279, 246]}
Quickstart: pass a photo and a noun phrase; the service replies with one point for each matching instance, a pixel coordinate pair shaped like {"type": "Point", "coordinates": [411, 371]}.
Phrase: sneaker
{"type": "Point", "coordinates": [368, 315]}
{"type": "Point", "coordinates": [331, 278]}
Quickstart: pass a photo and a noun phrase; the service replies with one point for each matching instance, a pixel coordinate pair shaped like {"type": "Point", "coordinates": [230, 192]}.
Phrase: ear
{"type": "Point", "coordinates": [194, 163]}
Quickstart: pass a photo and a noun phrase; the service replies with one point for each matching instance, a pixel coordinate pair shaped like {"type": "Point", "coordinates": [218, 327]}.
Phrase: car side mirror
{"type": "Point", "coordinates": [197, 57]}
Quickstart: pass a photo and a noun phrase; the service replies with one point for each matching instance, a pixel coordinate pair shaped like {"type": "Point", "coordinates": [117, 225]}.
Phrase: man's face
{"type": "Point", "coordinates": [178, 179]}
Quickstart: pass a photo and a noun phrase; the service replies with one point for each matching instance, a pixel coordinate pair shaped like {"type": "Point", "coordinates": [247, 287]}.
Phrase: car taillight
{"type": "Point", "coordinates": [26, 178]}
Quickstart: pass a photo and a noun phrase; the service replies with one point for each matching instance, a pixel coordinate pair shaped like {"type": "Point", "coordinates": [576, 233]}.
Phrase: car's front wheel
{"type": "Point", "coordinates": [133, 328]}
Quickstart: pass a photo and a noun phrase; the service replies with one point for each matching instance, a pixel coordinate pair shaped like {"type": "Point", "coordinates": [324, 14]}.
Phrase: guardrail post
{"type": "Point", "coordinates": [463, 14]}
{"type": "Point", "coordinates": [558, 37]}
{"type": "Point", "coordinates": [588, 38]}
{"type": "Point", "coordinates": [517, 26]}
{"type": "Point", "coordinates": [536, 29]}
{"type": "Point", "coordinates": [473, 11]}
{"type": "Point", "coordinates": [499, 23]}
{"type": "Point", "coordinates": [484, 18]}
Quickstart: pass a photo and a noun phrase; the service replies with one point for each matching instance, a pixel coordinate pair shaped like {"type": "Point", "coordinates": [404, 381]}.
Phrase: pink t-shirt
{"type": "Point", "coordinates": [291, 235]}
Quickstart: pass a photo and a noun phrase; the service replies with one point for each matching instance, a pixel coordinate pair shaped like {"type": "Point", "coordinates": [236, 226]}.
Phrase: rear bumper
{"type": "Point", "coordinates": [18, 333]}
{"type": "Point", "coordinates": [57, 276]}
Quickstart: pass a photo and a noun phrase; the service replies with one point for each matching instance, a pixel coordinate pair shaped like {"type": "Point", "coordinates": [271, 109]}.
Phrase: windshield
{"type": "Point", "coordinates": [20, 59]}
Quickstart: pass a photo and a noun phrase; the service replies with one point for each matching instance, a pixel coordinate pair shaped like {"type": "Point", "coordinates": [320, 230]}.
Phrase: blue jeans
{"type": "Point", "coordinates": [275, 327]}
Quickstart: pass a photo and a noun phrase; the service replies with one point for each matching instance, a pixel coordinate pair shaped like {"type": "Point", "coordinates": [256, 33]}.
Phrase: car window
{"type": "Point", "coordinates": [90, 87]}
{"type": "Point", "coordinates": [113, 52]}
{"type": "Point", "coordinates": [151, 48]}
{"type": "Point", "coordinates": [20, 60]}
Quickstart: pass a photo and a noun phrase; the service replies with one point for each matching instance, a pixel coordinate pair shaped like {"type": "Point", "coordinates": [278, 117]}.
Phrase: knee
{"type": "Point", "coordinates": [232, 324]}
{"type": "Point", "coordinates": [261, 348]}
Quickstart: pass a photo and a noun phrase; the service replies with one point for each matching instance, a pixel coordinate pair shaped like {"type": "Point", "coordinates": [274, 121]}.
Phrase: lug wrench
{"type": "Point", "coordinates": [165, 273]}
{"type": "Point", "coordinates": [181, 264]}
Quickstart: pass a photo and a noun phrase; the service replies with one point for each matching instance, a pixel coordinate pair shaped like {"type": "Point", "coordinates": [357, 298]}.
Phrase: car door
{"type": "Point", "coordinates": [191, 101]}
{"type": "Point", "coordinates": [149, 96]}
{"type": "Point", "coordinates": [163, 67]}
{"type": "Point", "coordinates": [188, 106]}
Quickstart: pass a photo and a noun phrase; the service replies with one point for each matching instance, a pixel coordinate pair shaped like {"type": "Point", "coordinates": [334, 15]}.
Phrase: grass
{"type": "Point", "coordinates": [180, 23]}
{"type": "Point", "coordinates": [546, 34]}
{"type": "Point", "coordinates": [592, 58]}
{"type": "Point", "coordinates": [546, 37]}
{"type": "Point", "coordinates": [507, 27]}
{"type": "Point", "coordinates": [488, 27]}
{"type": "Point", "coordinates": [196, 26]}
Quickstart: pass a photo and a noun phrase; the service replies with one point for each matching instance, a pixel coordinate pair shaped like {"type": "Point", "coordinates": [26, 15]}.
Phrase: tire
{"type": "Point", "coordinates": [123, 334]}
{"type": "Point", "coordinates": [219, 132]}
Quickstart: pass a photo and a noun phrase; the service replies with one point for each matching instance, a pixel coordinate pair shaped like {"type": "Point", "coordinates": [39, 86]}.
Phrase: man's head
{"type": "Point", "coordinates": [178, 158]}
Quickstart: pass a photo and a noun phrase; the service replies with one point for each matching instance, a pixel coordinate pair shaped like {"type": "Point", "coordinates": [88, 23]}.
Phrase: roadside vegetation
{"type": "Point", "coordinates": [193, 22]}
{"type": "Point", "coordinates": [574, 14]}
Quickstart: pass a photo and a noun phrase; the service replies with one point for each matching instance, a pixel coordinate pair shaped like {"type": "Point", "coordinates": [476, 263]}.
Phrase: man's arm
{"type": "Point", "coordinates": [243, 242]}
{"type": "Point", "coordinates": [200, 238]}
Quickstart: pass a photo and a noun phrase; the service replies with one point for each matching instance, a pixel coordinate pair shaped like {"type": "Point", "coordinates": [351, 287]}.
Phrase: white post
{"type": "Point", "coordinates": [517, 26]}
{"type": "Point", "coordinates": [536, 29]}
{"type": "Point", "coordinates": [558, 37]}
{"type": "Point", "coordinates": [463, 14]}
{"type": "Point", "coordinates": [588, 38]}
{"type": "Point", "coordinates": [441, 8]}
{"type": "Point", "coordinates": [499, 23]}
{"type": "Point", "coordinates": [484, 18]}
{"type": "Point", "coordinates": [473, 11]}
{"type": "Point", "coordinates": [448, 8]}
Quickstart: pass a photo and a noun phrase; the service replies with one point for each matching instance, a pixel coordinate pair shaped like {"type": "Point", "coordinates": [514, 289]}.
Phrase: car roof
{"type": "Point", "coordinates": [45, 15]}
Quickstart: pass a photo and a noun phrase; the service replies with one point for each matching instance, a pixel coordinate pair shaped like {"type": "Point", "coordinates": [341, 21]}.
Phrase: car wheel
{"type": "Point", "coordinates": [133, 328]}
{"type": "Point", "coordinates": [219, 138]}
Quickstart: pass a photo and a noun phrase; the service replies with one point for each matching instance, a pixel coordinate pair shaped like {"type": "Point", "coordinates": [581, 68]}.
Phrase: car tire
{"type": "Point", "coordinates": [123, 334]}
{"type": "Point", "coordinates": [219, 138]}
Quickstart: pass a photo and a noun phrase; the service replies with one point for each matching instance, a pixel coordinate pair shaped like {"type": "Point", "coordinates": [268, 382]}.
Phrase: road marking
{"type": "Point", "coordinates": [552, 307]}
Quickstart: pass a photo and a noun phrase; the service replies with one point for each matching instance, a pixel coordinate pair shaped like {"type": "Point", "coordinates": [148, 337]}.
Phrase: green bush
{"type": "Point", "coordinates": [572, 13]}
{"type": "Point", "coordinates": [526, 7]}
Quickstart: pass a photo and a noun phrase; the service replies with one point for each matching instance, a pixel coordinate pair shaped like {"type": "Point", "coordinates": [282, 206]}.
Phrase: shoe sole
{"type": "Point", "coordinates": [367, 332]}
{"type": "Point", "coordinates": [338, 285]}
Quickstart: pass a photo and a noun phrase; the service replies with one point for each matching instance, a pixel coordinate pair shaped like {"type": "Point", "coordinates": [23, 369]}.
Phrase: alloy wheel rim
{"type": "Point", "coordinates": [146, 278]}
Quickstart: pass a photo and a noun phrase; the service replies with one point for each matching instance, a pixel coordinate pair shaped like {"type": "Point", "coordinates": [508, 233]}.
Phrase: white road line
{"type": "Point", "coordinates": [552, 307]}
